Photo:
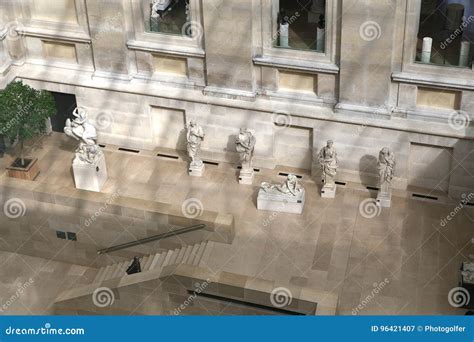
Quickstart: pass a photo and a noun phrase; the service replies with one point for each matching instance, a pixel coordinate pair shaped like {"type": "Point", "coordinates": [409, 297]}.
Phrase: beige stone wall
{"type": "Point", "coordinates": [57, 10]}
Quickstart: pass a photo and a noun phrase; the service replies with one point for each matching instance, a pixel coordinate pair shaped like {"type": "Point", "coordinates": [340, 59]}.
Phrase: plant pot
{"type": "Point", "coordinates": [29, 171]}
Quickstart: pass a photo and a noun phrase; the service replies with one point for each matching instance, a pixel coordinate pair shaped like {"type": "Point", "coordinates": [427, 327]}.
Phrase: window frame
{"type": "Point", "coordinates": [270, 29]}
{"type": "Point", "coordinates": [409, 63]}
{"type": "Point", "coordinates": [167, 39]}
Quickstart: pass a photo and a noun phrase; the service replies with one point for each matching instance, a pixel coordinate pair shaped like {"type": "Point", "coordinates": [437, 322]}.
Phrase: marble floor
{"type": "Point", "coordinates": [401, 261]}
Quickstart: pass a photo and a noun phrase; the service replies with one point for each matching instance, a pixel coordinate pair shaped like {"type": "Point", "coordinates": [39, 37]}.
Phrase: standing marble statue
{"type": "Point", "coordinates": [386, 166]}
{"type": "Point", "coordinates": [329, 164]}
{"type": "Point", "coordinates": [287, 197]}
{"type": "Point", "coordinates": [245, 146]}
{"type": "Point", "coordinates": [90, 171]}
{"type": "Point", "coordinates": [194, 138]}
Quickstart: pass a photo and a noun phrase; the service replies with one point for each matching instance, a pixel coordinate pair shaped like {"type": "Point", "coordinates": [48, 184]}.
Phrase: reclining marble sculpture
{"type": "Point", "coordinates": [194, 138]}
{"type": "Point", "coordinates": [329, 164]}
{"type": "Point", "coordinates": [386, 166]}
{"type": "Point", "coordinates": [288, 197]}
{"type": "Point", "coordinates": [89, 168]}
{"type": "Point", "coordinates": [245, 146]}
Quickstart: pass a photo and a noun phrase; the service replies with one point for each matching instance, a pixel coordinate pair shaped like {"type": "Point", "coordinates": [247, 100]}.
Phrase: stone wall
{"type": "Point", "coordinates": [99, 221]}
{"type": "Point", "coordinates": [365, 92]}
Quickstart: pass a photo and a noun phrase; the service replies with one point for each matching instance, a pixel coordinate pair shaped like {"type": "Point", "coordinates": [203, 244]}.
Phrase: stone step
{"type": "Point", "coordinates": [108, 272]}
{"type": "Point", "coordinates": [121, 269]}
{"type": "Point", "coordinates": [180, 257]}
{"type": "Point", "coordinates": [192, 255]}
{"type": "Point", "coordinates": [146, 266]}
{"type": "Point", "coordinates": [99, 275]}
{"type": "Point", "coordinates": [207, 253]}
{"type": "Point", "coordinates": [161, 260]}
{"type": "Point", "coordinates": [199, 254]}
{"type": "Point", "coordinates": [174, 255]}
{"type": "Point", "coordinates": [167, 259]}
{"type": "Point", "coordinates": [154, 261]}
{"type": "Point", "coordinates": [143, 261]}
{"type": "Point", "coordinates": [187, 252]}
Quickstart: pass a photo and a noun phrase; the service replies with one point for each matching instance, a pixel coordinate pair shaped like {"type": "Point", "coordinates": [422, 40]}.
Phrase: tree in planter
{"type": "Point", "coordinates": [23, 114]}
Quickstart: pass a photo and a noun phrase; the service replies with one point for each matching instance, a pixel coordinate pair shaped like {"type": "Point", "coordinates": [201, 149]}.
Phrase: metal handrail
{"type": "Point", "coordinates": [151, 239]}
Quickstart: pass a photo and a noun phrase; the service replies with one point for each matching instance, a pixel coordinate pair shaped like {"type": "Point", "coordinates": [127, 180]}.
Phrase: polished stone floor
{"type": "Point", "coordinates": [331, 246]}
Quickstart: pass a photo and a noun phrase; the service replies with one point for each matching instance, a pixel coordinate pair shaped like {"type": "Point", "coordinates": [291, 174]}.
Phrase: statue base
{"type": "Point", "coordinates": [328, 191]}
{"type": "Point", "coordinates": [384, 199]}
{"type": "Point", "coordinates": [246, 176]}
{"type": "Point", "coordinates": [281, 203]}
{"type": "Point", "coordinates": [90, 177]}
{"type": "Point", "coordinates": [196, 168]}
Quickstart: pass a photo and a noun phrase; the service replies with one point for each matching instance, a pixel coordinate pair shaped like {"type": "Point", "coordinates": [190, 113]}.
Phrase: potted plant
{"type": "Point", "coordinates": [23, 115]}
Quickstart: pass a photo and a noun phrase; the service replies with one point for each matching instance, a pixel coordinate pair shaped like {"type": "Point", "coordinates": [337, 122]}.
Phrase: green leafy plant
{"type": "Point", "coordinates": [23, 113]}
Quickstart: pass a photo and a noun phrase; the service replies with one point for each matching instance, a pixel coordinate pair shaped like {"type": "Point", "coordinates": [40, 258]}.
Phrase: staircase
{"type": "Point", "coordinates": [191, 255]}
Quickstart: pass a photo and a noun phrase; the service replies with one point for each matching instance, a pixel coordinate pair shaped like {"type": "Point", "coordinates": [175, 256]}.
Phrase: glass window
{"type": "Point", "coordinates": [446, 32]}
{"type": "Point", "coordinates": [301, 25]}
{"type": "Point", "coordinates": [167, 16]}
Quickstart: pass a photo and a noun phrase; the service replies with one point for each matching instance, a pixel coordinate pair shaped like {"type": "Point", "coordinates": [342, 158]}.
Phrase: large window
{"type": "Point", "coordinates": [167, 16]}
{"type": "Point", "coordinates": [301, 25]}
{"type": "Point", "coordinates": [446, 33]}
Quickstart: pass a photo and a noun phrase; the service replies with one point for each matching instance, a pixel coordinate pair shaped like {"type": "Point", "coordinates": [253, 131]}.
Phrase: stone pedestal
{"type": "Point", "coordinates": [384, 199]}
{"type": "Point", "coordinates": [246, 176]}
{"type": "Point", "coordinates": [196, 168]}
{"type": "Point", "coordinates": [90, 176]}
{"type": "Point", "coordinates": [328, 191]}
{"type": "Point", "coordinates": [280, 202]}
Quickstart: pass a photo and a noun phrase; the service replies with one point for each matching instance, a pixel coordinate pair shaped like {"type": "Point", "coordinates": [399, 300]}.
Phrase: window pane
{"type": "Point", "coordinates": [446, 32]}
{"type": "Point", "coordinates": [166, 16]}
{"type": "Point", "coordinates": [301, 25]}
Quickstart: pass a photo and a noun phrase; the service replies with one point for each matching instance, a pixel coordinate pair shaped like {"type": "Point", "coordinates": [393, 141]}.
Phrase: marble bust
{"type": "Point", "coordinates": [194, 138]}
{"type": "Point", "coordinates": [245, 146]}
{"type": "Point", "coordinates": [386, 166]}
{"type": "Point", "coordinates": [287, 197]}
{"type": "Point", "coordinates": [329, 164]}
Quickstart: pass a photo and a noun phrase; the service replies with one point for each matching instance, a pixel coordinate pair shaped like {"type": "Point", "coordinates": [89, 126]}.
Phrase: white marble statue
{"type": "Point", "coordinates": [245, 146]}
{"type": "Point", "coordinates": [81, 129]}
{"type": "Point", "coordinates": [385, 165]}
{"type": "Point", "coordinates": [194, 138]}
{"type": "Point", "coordinates": [287, 197]}
{"type": "Point", "coordinates": [90, 171]}
{"type": "Point", "coordinates": [329, 164]}
{"type": "Point", "coordinates": [290, 187]}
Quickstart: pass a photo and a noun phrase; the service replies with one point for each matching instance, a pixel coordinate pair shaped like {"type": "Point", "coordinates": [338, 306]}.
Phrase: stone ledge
{"type": "Point", "coordinates": [219, 224]}
{"type": "Point", "coordinates": [433, 80]}
{"type": "Point", "coordinates": [65, 36]}
{"type": "Point", "coordinates": [234, 286]}
{"type": "Point", "coordinates": [296, 65]}
{"type": "Point", "coordinates": [177, 51]}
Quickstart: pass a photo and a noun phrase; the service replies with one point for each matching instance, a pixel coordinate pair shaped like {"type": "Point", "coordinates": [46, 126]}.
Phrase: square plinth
{"type": "Point", "coordinates": [196, 168]}
{"type": "Point", "coordinates": [90, 176]}
{"type": "Point", "coordinates": [246, 176]}
{"type": "Point", "coordinates": [280, 202]}
{"type": "Point", "coordinates": [384, 199]}
{"type": "Point", "coordinates": [328, 191]}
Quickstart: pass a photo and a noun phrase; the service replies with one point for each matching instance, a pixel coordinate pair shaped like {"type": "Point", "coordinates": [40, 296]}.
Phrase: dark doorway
{"type": "Point", "coordinates": [65, 105]}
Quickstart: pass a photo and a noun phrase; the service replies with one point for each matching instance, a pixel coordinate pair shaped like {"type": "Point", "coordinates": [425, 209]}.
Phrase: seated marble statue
{"type": "Point", "coordinates": [290, 187]}
{"type": "Point", "coordinates": [81, 129]}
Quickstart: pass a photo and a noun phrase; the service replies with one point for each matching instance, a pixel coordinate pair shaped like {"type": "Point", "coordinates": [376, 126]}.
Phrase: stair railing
{"type": "Point", "coordinates": [151, 239]}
